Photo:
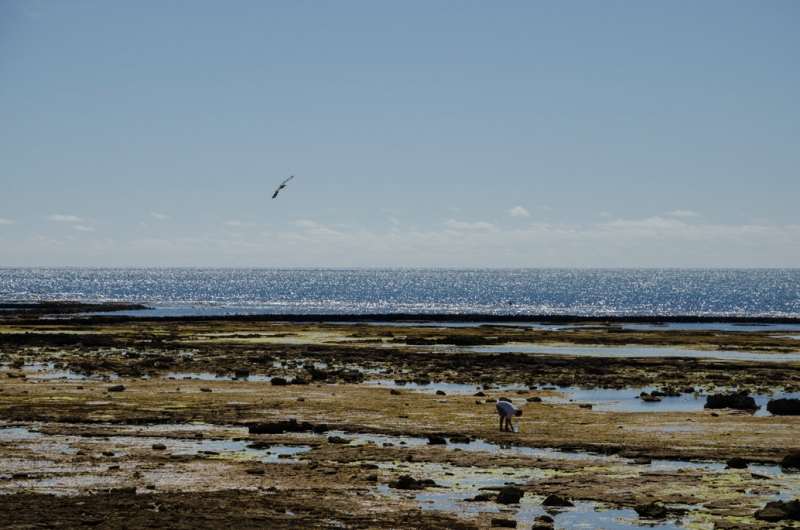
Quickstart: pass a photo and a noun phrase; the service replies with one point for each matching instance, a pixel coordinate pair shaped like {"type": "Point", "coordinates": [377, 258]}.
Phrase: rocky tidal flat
{"type": "Point", "coordinates": [124, 422]}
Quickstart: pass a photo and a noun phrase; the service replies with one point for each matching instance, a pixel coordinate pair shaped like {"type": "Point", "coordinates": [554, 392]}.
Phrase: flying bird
{"type": "Point", "coordinates": [283, 185]}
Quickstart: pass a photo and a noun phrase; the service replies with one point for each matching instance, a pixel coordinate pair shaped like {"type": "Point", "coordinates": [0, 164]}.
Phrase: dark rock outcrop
{"type": "Point", "coordinates": [652, 510]}
{"type": "Point", "coordinates": [737, 463]}
{"type": "Point", "coordinates": [509, 495]}
{"type": "Point", "coordinates": [784, 407]}
{"type": "Point", "coordinates": [779, 510]}
{"type": "Point", "coordinates": [557, 501]}
{"type": "Point", "coordinates": [791, 461]}
{"type": "Point", "coordinates": [279, 427]}
{"type": "Point", "coordinates": [738, 400]}
{"type": "Point", "coordinates": [407, 482]}
{"type": "Point", "coordinates": [435, 439]}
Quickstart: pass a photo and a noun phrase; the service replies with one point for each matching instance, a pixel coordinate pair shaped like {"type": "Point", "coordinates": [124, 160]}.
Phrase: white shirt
{"type": "Point", "coordinates": [508, 409]}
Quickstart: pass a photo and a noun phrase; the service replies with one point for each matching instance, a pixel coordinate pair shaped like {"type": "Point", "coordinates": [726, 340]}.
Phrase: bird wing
{"type": "Point", "coordinates": [283, 185]}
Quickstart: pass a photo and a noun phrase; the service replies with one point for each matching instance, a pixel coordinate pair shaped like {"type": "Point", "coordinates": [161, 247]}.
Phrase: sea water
{"type": "Point", "coordinates": [584, 292]}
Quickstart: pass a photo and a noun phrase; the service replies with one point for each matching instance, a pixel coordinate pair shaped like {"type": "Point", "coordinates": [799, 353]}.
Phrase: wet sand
{"type": "Point", "coordinates": [182, 443]}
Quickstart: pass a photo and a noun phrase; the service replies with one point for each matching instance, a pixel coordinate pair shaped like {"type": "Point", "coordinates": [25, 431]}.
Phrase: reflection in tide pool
{"type": "Point", "coordinates": [458, 485]}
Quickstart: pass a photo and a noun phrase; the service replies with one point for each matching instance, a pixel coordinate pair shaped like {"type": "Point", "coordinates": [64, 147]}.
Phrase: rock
{"type": "Point", "coordinates": [279, 427]}
{"type": "Point", "coordinates": [371, 478]}
{"type": "Point", "coordinates": [738, 400]}
{"type": "Point", "coordinates": [405, 482]}
{"type": "Point", "coordinates": [534, 399]}
{"type": "Point", "coordinates": [259, 445]}
{"type": "Point", "coordinates": [784, 407]}
{"type": "Point", "coordinates": [509, 495]}
{"type": "Point", "coordinates": [278, 381]}
{"type": "Point", "coordinates": [651, 511]}
{"type": "Point", "coordinates": [503, 523]}
{"type": "Point", "coordinates": [159, 447]}
{"type": "Point", "coordinates": [505, 399]}
{"type": "Point", "coordinates": [316, 374]}
{"type": "Point", "coordinates": [460, 439]}
{"type": "Point", "coordinates": [440, 393]}
{"type": "Point", "coordinates": [255, 471]}
{"type": "Point", "coordinates": [641, 461]}
{"type": "Point", "coordinates": [544, 519]}
{"type": "Point", "coordinates": [205, 390]}
{"type": "Point", "coordinates": [435, 439]}
{"type": "Point", "coordinates": [791, 461]}
{"type": "Point", "coordinates": [395, 392]}
{"type": "Point", "coordinates": [779, 510]}
{"type": "Point", "coordinates": [737, 463]}
{"type": "Point", "coordinates": [241, 373]}
{"type": "Point", "coordinates": [320, 428]}
{"type": "Point", "coordinates": [481, 497]}
{"type": "Point", "coordinates": [556, 500]}
{"type": "Point", "coordinates": [585, 406]}
{"type": "Point", "coordinates": [543, 522]}
{"type": "Point", "coordinates": [116, 388]}
{"type": "Point", "coordinates": [338, 440]}
{"type": "Point", "coordinates": [649, 397]}
{"type": "Point", "coordinates": [479, 394]}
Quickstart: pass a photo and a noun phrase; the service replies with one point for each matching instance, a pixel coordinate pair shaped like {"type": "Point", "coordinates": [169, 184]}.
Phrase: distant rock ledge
{"type": "Point", "coordinates": [46, 307]}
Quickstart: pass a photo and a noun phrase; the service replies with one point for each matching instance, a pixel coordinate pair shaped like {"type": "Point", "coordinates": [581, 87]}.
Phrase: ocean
{"type": "Point", "coordinates": [582, 292]}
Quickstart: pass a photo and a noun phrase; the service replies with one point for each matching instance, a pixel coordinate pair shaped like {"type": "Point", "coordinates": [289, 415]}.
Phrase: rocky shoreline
{"type": "Point", "coordinates": [123, 415]}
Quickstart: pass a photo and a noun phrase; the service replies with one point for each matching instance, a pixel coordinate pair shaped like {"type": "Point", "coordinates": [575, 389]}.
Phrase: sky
{"type": "Point", "coordinates": [420, 133]}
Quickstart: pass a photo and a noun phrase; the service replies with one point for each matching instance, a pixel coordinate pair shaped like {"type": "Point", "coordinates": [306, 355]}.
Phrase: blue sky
{"type": "Point", "coordinates": [429, 133]}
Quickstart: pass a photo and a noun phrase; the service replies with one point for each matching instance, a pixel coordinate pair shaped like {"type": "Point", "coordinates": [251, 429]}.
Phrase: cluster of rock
{"type": "Point", "coordinates": [284, 426]}
{"type": "Point", "coordinates": [734, 400]}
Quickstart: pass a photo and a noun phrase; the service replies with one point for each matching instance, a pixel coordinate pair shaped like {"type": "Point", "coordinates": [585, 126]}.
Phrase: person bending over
{"type": "Point", "coordinates": [507, 411]}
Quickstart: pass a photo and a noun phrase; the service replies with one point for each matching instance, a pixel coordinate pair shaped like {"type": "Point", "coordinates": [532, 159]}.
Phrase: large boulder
{"type": "Point", "coordinates": [557, 501]}
{"type": "Point", "coordinates": [737, 462]}
{"type": "Point", "coordinates": [435, 439]}
{"type": "Point", "coordinates": [407, 482]}
{"type": "Point", "coordinates": [784, 407]}
{"type": "Point", "coordinates": [509, 495]}
{"type": "Point", "coordinates": [791, 461]}
{"type": "Point", "coordinates": [737, 400]}
{"type": "Point", "coordinates": [652, 510]}
{"type": "Point", "coordinates": [779, 510]}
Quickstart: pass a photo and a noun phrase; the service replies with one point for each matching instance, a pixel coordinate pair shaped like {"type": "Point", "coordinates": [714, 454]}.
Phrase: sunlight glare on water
{"type": "Point", "coordinates": [587, 292]}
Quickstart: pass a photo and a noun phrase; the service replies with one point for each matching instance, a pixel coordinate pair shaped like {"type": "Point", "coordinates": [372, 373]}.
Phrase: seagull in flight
{"type": "Point", "coordinates": [283, 185]}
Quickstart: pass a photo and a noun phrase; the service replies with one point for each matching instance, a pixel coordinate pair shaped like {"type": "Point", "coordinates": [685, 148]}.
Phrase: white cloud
{"type": "Point", "coordinates": [65, 218]}
{"type": "Point", "coordinates": [460, 225]}
{"type": "Point", "coordinates": [83, 228]}
{"type": "Point", "coordinates": [684, 213]}
{"type": "Point", "coordinates": [649, 242]}
{"type": "Point", "coordinates": [159, 215]}
{"type": "Point", "coordinates": [518, 211]}
{"type": "Point", "coordinates": [5, 222]}
{"type": "Point", "coordinates": [604, 214]}
{"type": "Point", "coordinates": [394, 221]}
